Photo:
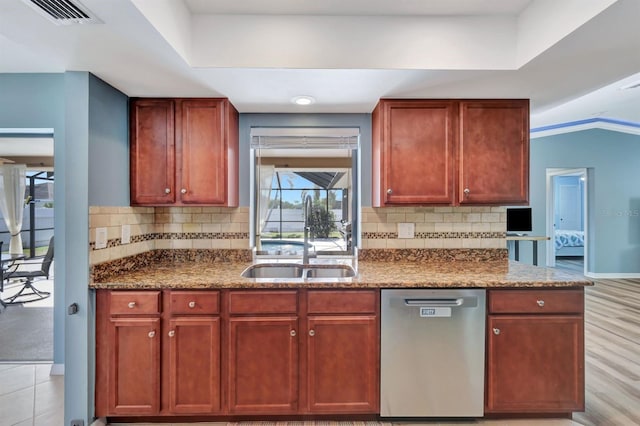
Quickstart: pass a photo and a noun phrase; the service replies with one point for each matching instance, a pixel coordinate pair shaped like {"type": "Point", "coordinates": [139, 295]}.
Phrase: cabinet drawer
{"type": "Point", "coordinates": [532, 301]}
{"type": "Point", "coordinates": [134, 303]}
{"type": "Point", "coordinates": [263, 302]}
{"type": "Point", "coordinates": [194, 302]}
{"type": "Point", "coordinates": [341, 301]}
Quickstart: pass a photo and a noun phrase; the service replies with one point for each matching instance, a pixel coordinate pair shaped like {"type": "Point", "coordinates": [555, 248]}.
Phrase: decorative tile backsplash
{"type": "Point", "coordinates": [435, 227]}
{"type": "Point", "coordinates": [157, 228]}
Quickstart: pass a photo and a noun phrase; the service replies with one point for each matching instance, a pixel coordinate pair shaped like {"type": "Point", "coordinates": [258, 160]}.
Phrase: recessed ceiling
{"type": "Point", "coordinates": [358, 7]}
{"type": "Point", "coordinates": [347, 53]}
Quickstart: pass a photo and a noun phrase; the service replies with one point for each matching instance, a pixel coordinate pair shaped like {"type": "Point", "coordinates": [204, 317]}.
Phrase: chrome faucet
{"type": "Point", "coordinates": [307, 209]}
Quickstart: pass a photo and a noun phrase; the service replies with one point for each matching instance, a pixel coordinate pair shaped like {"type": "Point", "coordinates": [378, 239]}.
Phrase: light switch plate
{"type": "Point", "coordinates": [406, 230]}
{"type": "Point", "coordinates": [101, 238]}
{"type": "Point", "coordinates": [125, 237]}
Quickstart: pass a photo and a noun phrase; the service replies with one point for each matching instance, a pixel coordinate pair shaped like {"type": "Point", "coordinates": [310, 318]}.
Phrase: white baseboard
{"type": "Point", "coordinates": [612, 276]}
{"type": "Point", "coordinates": [57, 370]}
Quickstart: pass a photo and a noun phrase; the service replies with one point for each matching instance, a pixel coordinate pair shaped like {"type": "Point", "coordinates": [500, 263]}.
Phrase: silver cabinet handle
{"type": "Point", "coordinates": [389, 191]}
{"type": "Point", "coordinates": [540, 303]}
{"type": "Point", "coordinates": [131, 305]}
{"type": "Point", "coordinates": [466, 191]}
{"type": "Point", "coordinates": [183, 191]}
{"type": "Point", "coordinates": [172, 333]}
{"type": "Point", "coordinates": [292, 333]}
{"type": "Point", "coordinates": [192, 304]}
{"type": "Point", "coordinates": [167, 190]}
{"type": "Point", "coordinates": [496, 331]}
{"type": "Point", "coordinates": [152, 334]}
{"type": "Point", "coordinates": [312, 333]}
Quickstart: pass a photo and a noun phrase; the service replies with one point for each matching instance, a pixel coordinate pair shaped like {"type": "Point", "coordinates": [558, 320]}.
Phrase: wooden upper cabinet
{"type": "Point", "coordinates": [152, 151]}
{"type": "Point", "coordinates": [450, 152]}
{"type": "Point", "coordinates": [413, 152]}
{"type": "Point", "coordinates": [184, 152]}
{"type": "Point", "coordinates": [494, 152]}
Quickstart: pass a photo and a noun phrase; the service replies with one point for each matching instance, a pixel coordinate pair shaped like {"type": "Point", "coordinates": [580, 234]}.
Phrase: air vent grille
{"type": "Point", "coordinates": [63, 12]}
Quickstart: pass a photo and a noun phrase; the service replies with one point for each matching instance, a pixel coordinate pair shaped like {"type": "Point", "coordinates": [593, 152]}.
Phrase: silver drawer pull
{"type": "Point", "coordinates": [152, 334]}
{"type": "Point", "coordinates": [167, 190]}
{"type": "Point", "coordinates": [292, 333]}
{"type": "Point", "coordinates": [192, 304]}
{"type": "Point", "coordinates": [172, 333]}
{"type": "Point", "coordinates": [540, 303]}
{"type": "Point", "coordinates": [496, 331]}
{"type": "Point", "coordinates": [131, 305]}
{"type": "Point", "coordinates": [183, 191]}
{"type": "Point", "coordinates": [312, 333]}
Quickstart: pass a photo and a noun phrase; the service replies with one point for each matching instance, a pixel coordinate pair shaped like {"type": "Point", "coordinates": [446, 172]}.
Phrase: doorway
{"type": "Point", "coordinates": [567, 219]}
{"type": "Point", "coordinates": [26, 320]}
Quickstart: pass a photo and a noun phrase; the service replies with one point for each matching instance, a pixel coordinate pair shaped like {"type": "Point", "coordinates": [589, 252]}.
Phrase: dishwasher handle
{"type": "Point", "coordinates": [435, 302]}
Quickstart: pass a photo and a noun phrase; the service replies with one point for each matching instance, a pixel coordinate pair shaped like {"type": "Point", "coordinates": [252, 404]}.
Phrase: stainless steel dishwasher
{"type": "Point", "coordinates": [432, 353]}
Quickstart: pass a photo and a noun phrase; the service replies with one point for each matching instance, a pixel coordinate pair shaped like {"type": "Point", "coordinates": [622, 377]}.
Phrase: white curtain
{"type": "Point", "coordinates": [12, 186]}
{"type": "Point", "coordinates": [265, 178]}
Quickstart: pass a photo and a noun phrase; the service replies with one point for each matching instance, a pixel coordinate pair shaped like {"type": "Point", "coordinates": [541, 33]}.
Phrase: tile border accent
{"type": "Point", "coordinates": [115, 242]}
{"type": "Point", "coordinates": [434, 235]}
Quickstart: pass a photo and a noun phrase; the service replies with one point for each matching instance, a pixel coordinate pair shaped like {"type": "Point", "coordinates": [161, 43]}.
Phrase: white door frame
{"type": "Point", "coordinates": [551, 247]}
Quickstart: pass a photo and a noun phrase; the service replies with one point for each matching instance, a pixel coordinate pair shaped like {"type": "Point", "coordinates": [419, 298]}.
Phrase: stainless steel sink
{"type": "Point", "coordinates": [296, 270]}
{"type": "Point", "coordinates": [330, 271]}
{"type": "Point", "coordinates": [274, 270]}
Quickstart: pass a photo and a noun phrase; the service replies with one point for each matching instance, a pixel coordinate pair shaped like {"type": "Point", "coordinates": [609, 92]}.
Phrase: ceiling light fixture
{"type": "Point", "coordinates": [303, 100]}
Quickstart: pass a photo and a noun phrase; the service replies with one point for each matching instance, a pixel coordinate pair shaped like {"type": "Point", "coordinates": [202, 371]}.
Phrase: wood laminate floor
{"type": "Point", "coordinates": [612, 354]}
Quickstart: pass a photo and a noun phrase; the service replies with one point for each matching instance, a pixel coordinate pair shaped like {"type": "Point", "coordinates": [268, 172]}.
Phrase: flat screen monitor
{"type": "Point", "coordinates": [519, 220]}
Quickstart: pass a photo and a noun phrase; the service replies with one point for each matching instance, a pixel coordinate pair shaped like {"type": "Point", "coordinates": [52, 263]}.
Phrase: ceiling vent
{"type": "Point", "coordinates": [63, 12]}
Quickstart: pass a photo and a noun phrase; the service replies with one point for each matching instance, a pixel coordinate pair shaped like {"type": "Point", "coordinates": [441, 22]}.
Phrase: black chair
{"type": "Point", "coordinates": [28, 291]}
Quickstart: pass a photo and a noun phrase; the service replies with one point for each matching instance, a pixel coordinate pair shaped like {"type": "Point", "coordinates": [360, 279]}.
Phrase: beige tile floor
{"type": "Point", "coordinates": [29, 396]}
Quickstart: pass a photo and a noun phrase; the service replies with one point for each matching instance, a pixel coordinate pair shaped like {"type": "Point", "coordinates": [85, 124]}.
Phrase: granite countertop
{"type": "Point", "coordinates": [371, 274]}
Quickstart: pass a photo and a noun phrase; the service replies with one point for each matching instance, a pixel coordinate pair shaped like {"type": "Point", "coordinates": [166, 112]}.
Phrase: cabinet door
{"type": "Point", "coordinates": [494, 152]}
{"type": "Point", "coordinates": [202, 152]}
{"type": "Point", "coordinates": [152, 151]}
{"type": "Point", "coordinates": [194, 365]}
{"type": "Point", "coordinates": [535, 363]}
{"type": "Point", "coordinates": [263, 365]}
{"type": "Point", "coordinates": [417, 152]}
{"type": "Point", "coordinates": [342, 363]}
{"type": "Point", "coordinates": [134, 366]}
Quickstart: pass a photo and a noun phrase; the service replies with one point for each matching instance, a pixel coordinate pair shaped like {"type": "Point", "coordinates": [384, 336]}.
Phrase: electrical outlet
{"type": "Point", "coordinates": [406, 230]}
{"type": "Point", "coordinates": [76, 423]}
{"type": "Point", "coordinates": [125, 237]}
{"type": "Point", "coordinates": [101, 238]}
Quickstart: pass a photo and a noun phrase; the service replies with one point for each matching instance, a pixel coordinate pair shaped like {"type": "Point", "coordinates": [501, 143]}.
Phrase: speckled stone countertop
{"type": "Point", "coordinates": [187, 274]}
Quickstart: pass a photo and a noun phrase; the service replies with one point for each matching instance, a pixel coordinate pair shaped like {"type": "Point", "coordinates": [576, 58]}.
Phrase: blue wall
{"type": "Point", "coordinates": [613, 177]}
{"type": "Point", "coordinates": [108, 145]}
{"type": "Point", "coordinates": [89, 117]}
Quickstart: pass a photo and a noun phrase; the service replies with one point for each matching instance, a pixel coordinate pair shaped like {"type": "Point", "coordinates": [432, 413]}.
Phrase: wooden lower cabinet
{"type": "Point", "coordinates": [342, 364]}
{"type": "Point", "coordinates": [134, 366]}
{"type": "Point", "coordinates": [194, 365]}
{"type": "Point", "coordinates": [263, 365]}
{"type": "Point", "coordinates": [535, 359]}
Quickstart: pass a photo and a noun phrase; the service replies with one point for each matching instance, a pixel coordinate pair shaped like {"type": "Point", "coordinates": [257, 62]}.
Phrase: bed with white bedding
{"type": "Point", "coordinates": [569, 243]}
